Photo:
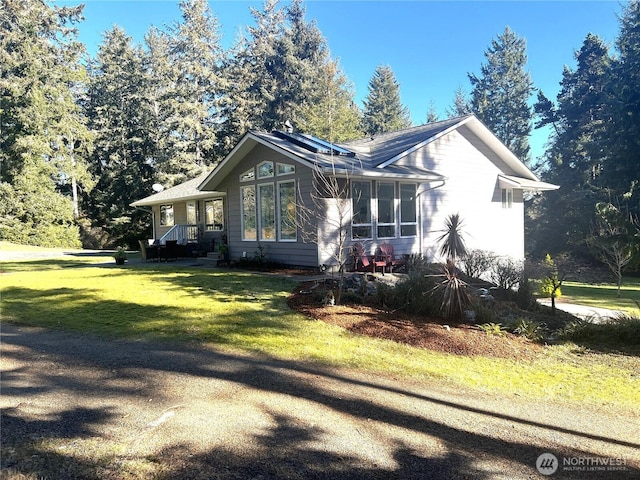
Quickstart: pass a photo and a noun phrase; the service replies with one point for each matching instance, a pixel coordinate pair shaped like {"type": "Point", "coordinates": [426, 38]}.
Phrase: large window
{"type": "Point", "coordinates": [361, 204]}
{"type": "Point", "coordinates": [214, 214]}
{"type": "Point", "coordinates": [408, 217]}
{"type": "Point", "coordinates": [248, 200]}
{"type": "Point", "coordinates": [166, 215]}
{"type": "Point", "coordinates": [386, 210]}
{"type": "Point", "coordinates": [267, 211]}
{"type": "Point", "coordinates": [287, 210]}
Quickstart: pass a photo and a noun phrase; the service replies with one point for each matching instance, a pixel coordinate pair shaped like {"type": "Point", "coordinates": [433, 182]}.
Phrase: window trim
{"type": "Point", "coordinates": [279, 211]}
{"type": "Point", "coordinates": [413, 223]}
{"type": "Point", "coordinates": [259, 205]}
{"type": "Point", "coordinates": [250, 174]}
{"type": "Point", "coordinates": [394, 209]}
{"type": "Point", "coordinates": [167, 206]}
{"type": "Point", "coordinates": [210, 227]}
{"type": "Point", "coordinates": [281, 174]}
{"type": "Point", "coordinates": [242, 213]}
{"type": "Point", "coordinates": [356, 225]}
{"type": "Point", "coordinates": [507, 198]}
{"type": "Point", "coordinates": [270, 175]}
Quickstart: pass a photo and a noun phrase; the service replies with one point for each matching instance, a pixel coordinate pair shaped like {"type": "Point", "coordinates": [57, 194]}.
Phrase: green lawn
{"type": "Point", "coordinates": [604, 295]}
{"type": "Point", "coordinates": [240, 311]}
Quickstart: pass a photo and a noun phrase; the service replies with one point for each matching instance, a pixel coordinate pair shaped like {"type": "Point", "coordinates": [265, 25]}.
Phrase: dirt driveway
{"type": "Point", "coordinates": [85, 407]}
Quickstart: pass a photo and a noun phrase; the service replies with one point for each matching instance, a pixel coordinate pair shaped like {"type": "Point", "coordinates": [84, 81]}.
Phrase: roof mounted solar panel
{"type": "Point", "coordinates": [313, 144]}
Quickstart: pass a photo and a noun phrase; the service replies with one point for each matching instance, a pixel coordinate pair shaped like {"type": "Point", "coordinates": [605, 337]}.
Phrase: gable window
{"type": "Point", "coordinates": [284, 169]}
{"type": "Point", "coordinates": [287, 211]}
{"type": "Point", "coordinates": [248, 175]}
{"type": "Point", "coordinates": [386, 210]}
{"type": "Point", "coordinates": [166, 215]}
{"type": "Point", "coordinates": [361, 207]}
{"type": "Point", "coordinates": [408, 217]}
{"type": "Point", "coordinates": [265, 170]}
{"type": "Point", "coordinates": [266, 195]}
{"type": "Point", "coordinates": [507, 198]}
{"type": "Point", "coordinates": [214, 215]}
{"type": "Point", "coordinates": [248, 200]}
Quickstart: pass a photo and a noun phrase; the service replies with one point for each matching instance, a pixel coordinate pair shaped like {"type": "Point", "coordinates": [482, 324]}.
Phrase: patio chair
{"type": "Point", "coordinates": [367, 263]}
{"type": "Point", "coordinates": [388, 255]}
{"type": "Point", "coordinates": [170, 250]}
{"type": "Point", "coordinates": [148, 252]}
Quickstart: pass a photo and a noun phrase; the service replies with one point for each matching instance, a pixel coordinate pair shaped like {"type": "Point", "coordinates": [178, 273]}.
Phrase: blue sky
{"type": "Point", "coordinates": [431, 46]}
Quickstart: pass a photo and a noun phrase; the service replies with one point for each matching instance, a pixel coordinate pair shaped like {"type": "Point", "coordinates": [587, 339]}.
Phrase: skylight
{"type": "Point", "coordinates": [313, 144]}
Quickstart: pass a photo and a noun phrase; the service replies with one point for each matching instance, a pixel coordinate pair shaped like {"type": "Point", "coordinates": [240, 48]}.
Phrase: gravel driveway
{"type": "Point", "coordinates": [189, 412]}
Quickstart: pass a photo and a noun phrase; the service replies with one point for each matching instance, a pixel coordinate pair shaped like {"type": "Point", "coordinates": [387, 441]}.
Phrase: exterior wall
{"type": "Point", "coordinates": [298, 252]}
{"type": "Point", "coordinates": [473, 191]}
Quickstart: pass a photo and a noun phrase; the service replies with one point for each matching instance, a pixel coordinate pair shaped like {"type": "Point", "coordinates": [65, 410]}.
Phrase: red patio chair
{"type": "Point", "coordinates": [387, 254]}
{"type": "Point", "coordinates": [367, 263]}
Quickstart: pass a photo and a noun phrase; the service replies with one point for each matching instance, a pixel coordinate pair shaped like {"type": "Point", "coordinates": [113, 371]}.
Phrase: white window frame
{"type": "Point", "coordinates": [413, 223]}
{"type": "Point", "coordinates": [211, 227]}
{"type": "Point", "coordinates": [279, 211]}
{"type": "Point", "coordinates": [248, 176]}
{"type": "Point", "coordinates": [361, 225]}
{"type": "Point", "coordinates": [242, 213]}
{"type": "Point", "coordinates": [269, 175]}
{"type": "Point", "coordinates": [507, 198]}
{"type": "Point", "coordinates": [394, 210]}
{"type": "Point", "coordinates": [261, 186]}
{"type": "Point", "coordinates": [291, 171]}
{"type": "Point", "coordinates": [167, 207]}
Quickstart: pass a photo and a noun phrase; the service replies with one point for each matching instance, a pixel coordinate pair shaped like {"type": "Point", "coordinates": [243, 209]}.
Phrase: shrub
{"type": "Point", "coordinates": [493, 329]}
{"type": "Point", "coordinates": [453, 292]}
{"type": "Point", "coordinates": [477, 262]}
{"type": "Point", "coordinates": [414, 295]}
{"type": "Point", "coordinates": [506, 272]}
{"type": "Point", "coordinates": [534, 331]}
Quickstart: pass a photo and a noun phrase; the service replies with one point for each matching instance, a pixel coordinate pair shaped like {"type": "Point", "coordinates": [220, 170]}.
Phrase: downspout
{"type": "Point", "coordinates": [420, 219]}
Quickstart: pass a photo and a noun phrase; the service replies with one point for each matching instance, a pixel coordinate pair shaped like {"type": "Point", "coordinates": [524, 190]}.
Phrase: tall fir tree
{"type": "Point", "coordinates": [43, 137]}
{"type": "Point", "coordinates": [461, 104]}
{"type": "Point", "coordinates": [119, 110]}
{"type": "Point", "coordinates": [577, 151]}
{"type": "Point", "coordinates": [501, 93]}
{"type": "Point", "coordinates": [383, 110]}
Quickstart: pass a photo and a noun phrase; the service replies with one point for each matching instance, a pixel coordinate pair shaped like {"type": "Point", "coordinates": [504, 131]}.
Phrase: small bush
{"type": "Point", "coordinates": [534, 331]}
{"type": "Point", "coordinates": [414, 295]}
{"type": "Point", "coordinates": [477, 262]}
{"type": "Point", "coordinates": [484, 310]}
{"type": "Point", "coordinates": [506, 273]}
{"type": "Point", "coordinates": [493, 329]}
{"type": "Point", "coordinates": [622, 333]}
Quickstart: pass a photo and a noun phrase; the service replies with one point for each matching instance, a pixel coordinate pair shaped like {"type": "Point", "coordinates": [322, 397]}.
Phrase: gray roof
{"type": "Point", "coordinates": [184, 191]}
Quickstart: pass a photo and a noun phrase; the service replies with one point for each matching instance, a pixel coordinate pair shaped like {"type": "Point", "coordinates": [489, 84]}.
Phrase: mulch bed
{"type": "Point", "coordinates": [431, 333]}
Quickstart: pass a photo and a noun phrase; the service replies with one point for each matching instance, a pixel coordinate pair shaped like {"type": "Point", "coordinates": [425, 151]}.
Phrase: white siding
{"type": "Point", "coordinates": [471, 189]}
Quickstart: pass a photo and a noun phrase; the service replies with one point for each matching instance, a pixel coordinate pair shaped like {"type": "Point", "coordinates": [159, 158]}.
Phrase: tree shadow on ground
{"type": "Point", "coordinates": [287, 448]}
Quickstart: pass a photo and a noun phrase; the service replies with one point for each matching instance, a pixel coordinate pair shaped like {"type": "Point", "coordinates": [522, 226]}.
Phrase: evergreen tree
{"type": "Point", "coordinates": [43, 137]}
{"type": "Point", "coordinates": [461, 104]}
{"type": "Point", "coordinates": [331, 112]}
{"type": "Point", "coordinates": [383, 110]}
{"type": "Point", "coordinates": [621, 173]}
{"type": "Point", "coordinates": [432, 114]}
{"type": "Point", "coordinates": [194, 92]}
{"type": "Point", "coordinates": [578, 149]}
{"type": "Point", "coordinates": [501, 93]}
{"type": "Point", "coordinates": [119, 109]}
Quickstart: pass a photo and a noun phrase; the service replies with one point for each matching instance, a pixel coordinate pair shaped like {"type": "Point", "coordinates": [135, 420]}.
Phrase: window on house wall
{"type": "Point", "coordinates": [214, 214]}
{"type": "Point", "coordinates": [386, 210]}
{"type": "Point", "coordinates": [507, 198]}
{"type": "Point", "coordinates": [408, 210]}
{"type": "Point", "coordinates": [265, 170]}
{"type": "Point", "coordinates": [249, 224]}
{"type": "Point", "coordinates": [192, 213]}
{"type": "Point", "coordinates": [267, 204]}
{"type": "Point", "coordinates": [284, 169]}
{"type": "Point", "coordinates": [287, 211]}
{"type": "Point", "coordinates": [361, 207]}
{"type": "Point", "coordinates": [166, 215]}
{"type": "Point", "coordinates": [248, 175]}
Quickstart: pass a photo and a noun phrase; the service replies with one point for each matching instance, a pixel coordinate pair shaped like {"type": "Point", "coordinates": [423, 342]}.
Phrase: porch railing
{"type": "Point", "coordinates": [182, 233]}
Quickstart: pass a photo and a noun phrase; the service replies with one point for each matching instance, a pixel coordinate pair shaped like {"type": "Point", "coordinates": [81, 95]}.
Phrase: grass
{"type": "Point", "coordinates": [240, 311]}
{"type": "Point", "coordinates": [604, 295]}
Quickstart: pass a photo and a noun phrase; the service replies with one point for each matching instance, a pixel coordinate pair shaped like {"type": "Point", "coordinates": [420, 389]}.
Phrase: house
{"type": "Point", "coordinates": [397, 188]}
